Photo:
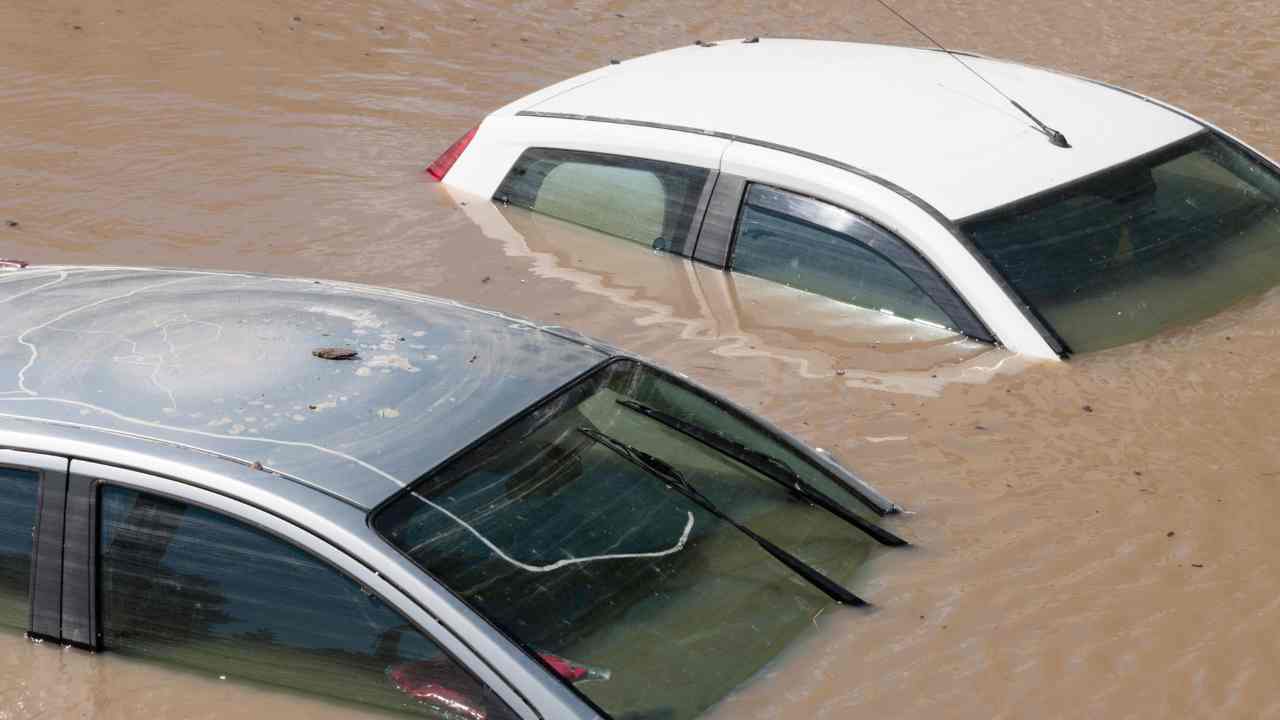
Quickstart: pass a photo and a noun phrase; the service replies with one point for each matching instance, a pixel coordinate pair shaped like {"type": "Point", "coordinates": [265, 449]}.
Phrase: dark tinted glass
{"type": "Point", "coordinates": [188, 586]}
{"type": "Point", "coordinates": [1163, 241]}
{"type": "Point", "coordinates": [820, 252]}
{"type": "Point", "coordinates": [19, 494]}
{"type": "Point", "coordinates": [578, 553]}
{"type": "Point", "coordinates": [645, 201]}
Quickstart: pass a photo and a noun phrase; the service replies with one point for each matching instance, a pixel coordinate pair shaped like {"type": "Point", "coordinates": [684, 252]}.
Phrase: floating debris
{"type": "Point", "coordinates": [335, 353]}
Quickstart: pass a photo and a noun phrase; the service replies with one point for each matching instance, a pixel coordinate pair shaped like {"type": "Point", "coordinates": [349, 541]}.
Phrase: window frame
{"type": "Point", "coordinates": [44, 585]}
{"type": "Point", "coordinates": [682, 245]}
{"type": "Point", "coordinates": [871, 236]}
{"type": "Point", "coordinates": [713, 230]}
{"type": "Point", "coordinates": [864, 492]}
{"type": "Point", "coordinates": [85, 479]}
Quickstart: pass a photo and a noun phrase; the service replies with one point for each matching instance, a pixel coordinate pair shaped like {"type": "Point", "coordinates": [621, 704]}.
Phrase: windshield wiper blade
{"type": "Point", "coordinates": [770, 467]}
{"type": "Point", "coordinates": [675, 480]}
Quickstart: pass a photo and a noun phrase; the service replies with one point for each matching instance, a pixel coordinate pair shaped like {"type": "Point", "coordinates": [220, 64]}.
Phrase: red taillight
{"type": "Point", "coordinates": [440, 167]}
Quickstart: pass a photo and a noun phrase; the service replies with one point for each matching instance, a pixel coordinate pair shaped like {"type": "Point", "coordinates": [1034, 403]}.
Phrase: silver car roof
{"type": "Point", "coordinates": [223, 363]}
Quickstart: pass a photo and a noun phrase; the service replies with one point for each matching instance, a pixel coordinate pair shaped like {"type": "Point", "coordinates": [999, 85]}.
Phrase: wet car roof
{"type": "Point", "coordinates": [912, 116]}
{"type": "Point", "coordinates": [224, 363]}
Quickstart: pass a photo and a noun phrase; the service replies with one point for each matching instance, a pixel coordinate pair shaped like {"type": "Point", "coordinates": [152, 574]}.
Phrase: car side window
{"type": "Point", "coordinates": [815, 246]}
{"type": "Point", "coordinates": [19, 495]}
{"type": "Point", "coordinates": [646, 201]}
{"type": "Point", "coordinates": [185, 585]}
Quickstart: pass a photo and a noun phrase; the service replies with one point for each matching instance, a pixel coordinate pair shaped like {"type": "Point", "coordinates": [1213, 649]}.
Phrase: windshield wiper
{"type": "Point", "coordinates": [673, 479]}
{"type": "Point", "coordinates": [770, 467]}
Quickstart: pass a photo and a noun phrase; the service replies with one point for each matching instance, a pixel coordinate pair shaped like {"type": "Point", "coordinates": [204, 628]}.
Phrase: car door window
{"type": "Point", "coordinates": [645, 201]}
{"type": "Point", "coordinates": [192, 587]}
{"type": "Point", "coordinates": [19, 493]}
{"type": "Point", "coordinates": [812, 245]}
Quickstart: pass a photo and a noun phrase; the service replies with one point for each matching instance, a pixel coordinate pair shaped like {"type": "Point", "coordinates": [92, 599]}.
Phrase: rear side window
{"type": "Point", "coordinates": [811, 245]}
{"type": "Point", "coordinates": [192, 587]}
{"type": "Point", "coordinates": [19, 493]}
{"type": "Point", "coordinates": [649, 202]}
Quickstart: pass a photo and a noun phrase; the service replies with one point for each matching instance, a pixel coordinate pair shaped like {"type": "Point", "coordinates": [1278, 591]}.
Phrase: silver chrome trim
{"type": "Point", "coordinates": [915, 199]}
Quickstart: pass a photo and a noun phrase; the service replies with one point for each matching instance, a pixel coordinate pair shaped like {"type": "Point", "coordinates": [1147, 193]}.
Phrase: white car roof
{"type": "Point", "coordinates": [914, 117]}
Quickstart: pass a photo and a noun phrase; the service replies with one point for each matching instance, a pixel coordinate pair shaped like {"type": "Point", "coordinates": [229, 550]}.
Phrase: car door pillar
{"type": "Point", "coordinates": [79, 563]}
{"type": "Point", "coordinates": [46, 562]}
{"type": "Point", "coordinates": [716, 234]}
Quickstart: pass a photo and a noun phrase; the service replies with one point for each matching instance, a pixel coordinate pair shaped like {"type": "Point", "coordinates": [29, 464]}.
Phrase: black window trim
{"type": "Point", "coordinates": [712, 229]}
{"type": "Point", "coordinates": [682, 245]}
{"type": "Point", "coordinates": [1032, 316]}
{"type": "Point", "coordinates": [719, 221]}
{"type": "Point", "coordinates": [44, 583]}
{"type": "Point", "coordinates": [876, 238]}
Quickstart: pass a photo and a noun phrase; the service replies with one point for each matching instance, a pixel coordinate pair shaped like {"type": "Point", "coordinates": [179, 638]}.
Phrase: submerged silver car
{"type": "Point", "coordinates": [397, 501]}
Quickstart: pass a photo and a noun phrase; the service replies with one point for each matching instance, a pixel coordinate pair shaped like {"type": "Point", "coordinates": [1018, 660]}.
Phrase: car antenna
{"type": "Point", "coordinates": [1055, 137]}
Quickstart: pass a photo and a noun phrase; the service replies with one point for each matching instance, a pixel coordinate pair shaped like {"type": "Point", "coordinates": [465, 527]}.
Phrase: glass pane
{"type": "Point", "coordinates": [621, 201]}
{"type": "Point", "coordinates": [644, 201]}
{"type": "Point", "coordinates": [1165, 241]}
{"type": "Point", "coordinates": [786, 249]}
{"type": "Point", "coordinates": [19, 496]}
{"type": "Point", "coordinates": [188, 586]}
{"type": "Point", "coordinates": [579, 553]}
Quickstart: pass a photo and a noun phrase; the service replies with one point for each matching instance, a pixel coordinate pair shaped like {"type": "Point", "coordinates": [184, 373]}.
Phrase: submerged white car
{"type": "Point", "coordinates": [911, 181]}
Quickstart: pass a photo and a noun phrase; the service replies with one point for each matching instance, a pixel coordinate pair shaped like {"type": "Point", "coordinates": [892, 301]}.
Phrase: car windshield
{"type": "Point", "coordinates": [1165, 240]}
{"type": "Point", "coordinates": [552, 534]}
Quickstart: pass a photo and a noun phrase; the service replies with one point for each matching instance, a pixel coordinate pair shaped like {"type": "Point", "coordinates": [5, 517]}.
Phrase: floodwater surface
{"type": "Point", "coordinates": [1092, 539]}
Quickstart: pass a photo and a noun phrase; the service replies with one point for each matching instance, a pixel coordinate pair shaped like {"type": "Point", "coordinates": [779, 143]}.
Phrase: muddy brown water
{"type": "Point", "coordinates": [290, 137]}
